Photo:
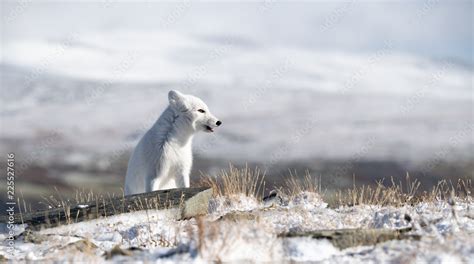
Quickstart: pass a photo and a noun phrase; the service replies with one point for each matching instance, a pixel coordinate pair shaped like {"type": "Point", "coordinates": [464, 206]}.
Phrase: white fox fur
{"type": "Point", "coordinates": [163, 158]}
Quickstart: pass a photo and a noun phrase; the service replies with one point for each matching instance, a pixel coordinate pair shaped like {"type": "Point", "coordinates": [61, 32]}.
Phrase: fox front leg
{"type": "Point", "coordinates": [184, 175]}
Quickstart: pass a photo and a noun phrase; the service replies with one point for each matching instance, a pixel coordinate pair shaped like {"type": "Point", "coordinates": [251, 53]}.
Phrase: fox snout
{"type": "Point", "coordinates": [212, 125]}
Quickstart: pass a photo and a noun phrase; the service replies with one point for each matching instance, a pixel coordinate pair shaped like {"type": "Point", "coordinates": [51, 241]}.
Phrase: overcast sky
{"type": "Point", "coordinates": [433, 29]}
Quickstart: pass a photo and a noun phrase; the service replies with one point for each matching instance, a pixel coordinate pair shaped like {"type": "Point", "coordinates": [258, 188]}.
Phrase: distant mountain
{"type": "Point", "coordinates": [275, 103]}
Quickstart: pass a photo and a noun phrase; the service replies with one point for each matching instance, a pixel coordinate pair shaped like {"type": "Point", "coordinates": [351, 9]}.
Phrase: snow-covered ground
{"type": "Point", "coordinates": [240, 228]}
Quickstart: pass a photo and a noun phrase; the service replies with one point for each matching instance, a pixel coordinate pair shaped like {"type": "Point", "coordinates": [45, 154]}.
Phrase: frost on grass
{"type": "Point", "coordinates": [240, 226]}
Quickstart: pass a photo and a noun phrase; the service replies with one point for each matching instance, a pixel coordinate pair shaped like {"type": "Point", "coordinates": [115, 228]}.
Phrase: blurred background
{"type": "Point", "coordinates": [346, 90]}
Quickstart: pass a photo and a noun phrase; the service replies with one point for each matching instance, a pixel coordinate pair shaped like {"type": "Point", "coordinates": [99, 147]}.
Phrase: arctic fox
{"type": "Point", "coordinates": [163, 157]}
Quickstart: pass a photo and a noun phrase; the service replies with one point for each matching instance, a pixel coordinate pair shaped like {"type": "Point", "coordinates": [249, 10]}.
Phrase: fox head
{"type": "Point", "coordinates": [193, 110]}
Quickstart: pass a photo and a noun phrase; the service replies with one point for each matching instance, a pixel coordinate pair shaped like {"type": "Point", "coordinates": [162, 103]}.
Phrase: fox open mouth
{"type": "Point", "coordinates": [209, 129]}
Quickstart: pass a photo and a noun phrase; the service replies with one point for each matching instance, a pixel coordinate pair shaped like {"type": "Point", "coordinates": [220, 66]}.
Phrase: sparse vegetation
{"type": "Point", "coordinates": [396, 195]}
{"type": "Point", "coordinates": [250, 182]}
{"type": "Point", "coordinates": [244, 181]}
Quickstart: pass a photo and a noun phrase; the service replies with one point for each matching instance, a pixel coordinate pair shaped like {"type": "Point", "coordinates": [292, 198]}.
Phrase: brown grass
{"type": "Point", "coordinates": [250, 182]}
{"type": "Point", "coordinates": [396, 194]}
{"type": "Point", "coordinates": [295, 185]}
{"type": "Point", "coordinates": [237, 181]}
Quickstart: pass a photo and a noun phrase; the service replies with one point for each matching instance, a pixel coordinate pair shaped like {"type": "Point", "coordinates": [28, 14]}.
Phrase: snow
{"type": "Point", "coordinates": [238, 202]}
{"type": "Point", "coordinates": [307, 249]}
{"type": "Point", "coordinates": [240, 228]}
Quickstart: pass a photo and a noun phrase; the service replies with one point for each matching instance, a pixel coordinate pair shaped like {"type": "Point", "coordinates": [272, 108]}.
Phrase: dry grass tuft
{"type": "Point", "coordinates": [250, 182]}
{"type": "Point", "coordinates": [244, 181]}
{"type": "Point", "coordinates": [295, 185]}
{"type": "Point", "coordinates": [221, 236]}
{"type": "Point", "coordinates": [398, 195]}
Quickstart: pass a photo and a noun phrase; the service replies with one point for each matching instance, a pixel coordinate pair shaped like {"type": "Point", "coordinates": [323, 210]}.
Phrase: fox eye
{"type": "Point", "coordinates": [201, 111]}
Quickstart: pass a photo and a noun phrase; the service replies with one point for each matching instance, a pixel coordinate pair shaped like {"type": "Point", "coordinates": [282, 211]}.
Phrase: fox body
{"type": "Point", "coordinates": [163, 157]}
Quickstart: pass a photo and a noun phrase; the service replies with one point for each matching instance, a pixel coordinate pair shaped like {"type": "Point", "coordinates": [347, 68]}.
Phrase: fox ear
{"type": "Point", "coordinates": [175, 98]}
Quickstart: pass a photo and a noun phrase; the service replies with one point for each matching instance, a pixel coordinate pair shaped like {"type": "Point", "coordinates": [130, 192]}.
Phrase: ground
{"type": "Point", "coordinates": [241, 228]}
